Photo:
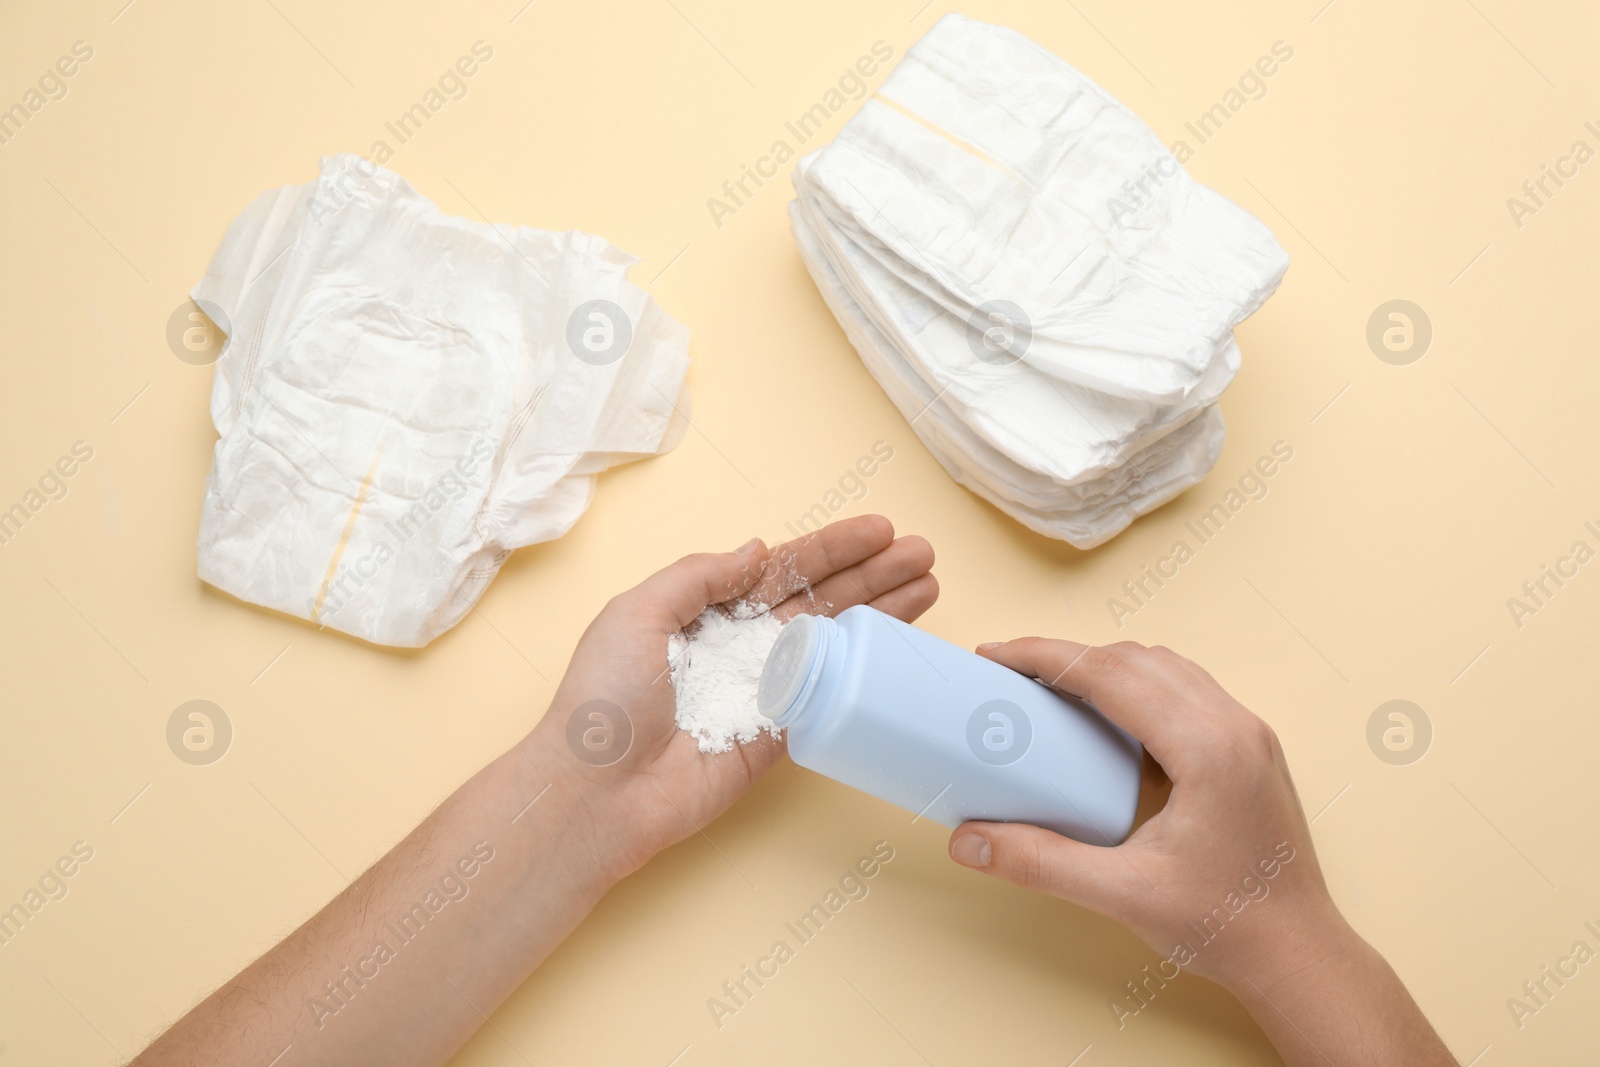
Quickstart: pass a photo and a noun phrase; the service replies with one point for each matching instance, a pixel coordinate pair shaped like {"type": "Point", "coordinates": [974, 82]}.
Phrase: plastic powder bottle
{"type": "Point", "coordinates": [880, 705]}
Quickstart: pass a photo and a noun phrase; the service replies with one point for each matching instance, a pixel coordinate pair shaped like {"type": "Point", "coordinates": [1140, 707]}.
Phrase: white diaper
{"type": "Point", "coordinates": [986, 176]}
{"type": "Point", "coordinates": [1084, 512]}
{"type": "Point", "coordinates": [401, 404]}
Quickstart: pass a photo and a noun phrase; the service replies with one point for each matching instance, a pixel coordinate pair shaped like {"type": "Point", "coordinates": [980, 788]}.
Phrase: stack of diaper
{"type": "Point", "coordinates": [1034, 280]}
{"type": "Point", "coordinates": [406, 397]}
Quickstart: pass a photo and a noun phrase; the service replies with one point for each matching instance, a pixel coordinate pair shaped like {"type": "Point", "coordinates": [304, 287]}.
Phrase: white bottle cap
{"type": "Point", "coordinates": [789, 666]}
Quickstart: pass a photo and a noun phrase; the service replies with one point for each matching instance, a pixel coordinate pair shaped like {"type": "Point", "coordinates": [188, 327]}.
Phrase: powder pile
{"type": "Point", "coordinates": [715, 671]}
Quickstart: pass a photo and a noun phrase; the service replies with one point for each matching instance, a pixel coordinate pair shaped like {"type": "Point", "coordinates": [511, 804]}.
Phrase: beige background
{"type": "Point", "coordinates": [1419, 499]}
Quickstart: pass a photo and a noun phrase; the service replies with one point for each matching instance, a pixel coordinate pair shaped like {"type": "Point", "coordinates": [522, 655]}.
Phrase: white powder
{"type": "Point", "coordinates": [715, 671]}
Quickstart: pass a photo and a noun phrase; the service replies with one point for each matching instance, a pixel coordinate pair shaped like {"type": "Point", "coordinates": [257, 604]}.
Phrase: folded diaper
{"type": "Point", "coordinates": [1091, 510]}
{"type": "Point", "coordinates": [1033, 279]}
{"type": "Point", "coordinates": [407, 396]}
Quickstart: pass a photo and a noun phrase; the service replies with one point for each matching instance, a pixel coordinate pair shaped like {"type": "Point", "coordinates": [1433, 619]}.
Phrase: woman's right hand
{"type": "Point", "coordinates": [1222, 881]}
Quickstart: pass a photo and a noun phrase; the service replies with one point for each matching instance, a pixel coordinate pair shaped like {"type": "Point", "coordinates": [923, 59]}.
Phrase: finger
{"type": "Point", "coordinates": [805, 561]}
{"type": "Point", "coordinates": [1101, 879]}
{"type": "Point", "coordinates": [692, 584]}
{"type": "Point", "coordinates": [906, 559]}
{"type": "Point", "coordinates": [1184, 665]}
{"type": "Point", "coordinates": [1133, 689]}
{"type": "Point", "coordinates": [908, 602]}
{"type": "Point", "coordinates": [1048, 659]}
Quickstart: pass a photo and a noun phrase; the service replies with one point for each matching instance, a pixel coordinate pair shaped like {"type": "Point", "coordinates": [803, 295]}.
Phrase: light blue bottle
{"type": "Point", "coordinates": [880, 705]}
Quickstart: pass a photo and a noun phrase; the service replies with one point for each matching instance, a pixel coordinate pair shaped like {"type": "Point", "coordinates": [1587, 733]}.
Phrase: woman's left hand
{"type": "Point", "coordinates": [658, 787]}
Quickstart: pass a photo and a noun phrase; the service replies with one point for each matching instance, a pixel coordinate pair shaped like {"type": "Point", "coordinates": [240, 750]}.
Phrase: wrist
{"type": "Point", "coordinates": [1293, 951]}
{"type": "Point", "coordinates": [574, 806]}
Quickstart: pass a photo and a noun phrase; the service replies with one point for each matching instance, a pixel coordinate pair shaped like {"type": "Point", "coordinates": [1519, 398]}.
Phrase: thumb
{"type": "Point", "coordinates": [1095, 877]}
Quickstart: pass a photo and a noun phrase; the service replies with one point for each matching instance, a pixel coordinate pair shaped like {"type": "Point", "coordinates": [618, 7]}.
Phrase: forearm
{"type": "Point", "coordinates": [1330, 999]}
{"type": "Point", "coordinates": [407, 962]}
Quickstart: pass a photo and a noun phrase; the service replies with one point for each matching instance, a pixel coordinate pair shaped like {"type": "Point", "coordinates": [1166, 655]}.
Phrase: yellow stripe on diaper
{"type": "Point", "coordinates": [965, 146]}
{"type": "Point", "coordinates": [344, 538]}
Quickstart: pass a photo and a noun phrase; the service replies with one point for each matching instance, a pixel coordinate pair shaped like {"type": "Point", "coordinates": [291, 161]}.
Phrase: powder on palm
{"type": "Point", "coordinates": [715, 671]}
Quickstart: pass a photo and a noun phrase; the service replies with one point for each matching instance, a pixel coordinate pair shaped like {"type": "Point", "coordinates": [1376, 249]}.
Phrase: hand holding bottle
{"type": "Point", "coordinates": [1223, 881]}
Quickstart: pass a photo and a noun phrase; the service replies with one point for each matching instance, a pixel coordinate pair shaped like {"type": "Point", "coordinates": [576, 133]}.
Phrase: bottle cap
{"type": "Point", "coordinates": [788, 665]}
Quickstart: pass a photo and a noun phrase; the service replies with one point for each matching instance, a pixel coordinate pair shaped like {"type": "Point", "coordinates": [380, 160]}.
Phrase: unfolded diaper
{"type": "Point", "coordinates": [1033, 279]}
{"type": "Point", "coordinates": [407, 396]}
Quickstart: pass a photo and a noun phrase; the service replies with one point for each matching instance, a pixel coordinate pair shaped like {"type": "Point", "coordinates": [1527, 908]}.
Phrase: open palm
{"type": "Point", "coordinates": [615, 706]}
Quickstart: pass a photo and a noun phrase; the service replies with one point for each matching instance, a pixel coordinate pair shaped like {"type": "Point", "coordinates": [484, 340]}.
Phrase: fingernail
{"type": "Point", "coordinates": [987, 645]}
{"type": "Point", "coordinates": [971, 850]}
{"type": "Point", "coordinates": [748, 547]}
